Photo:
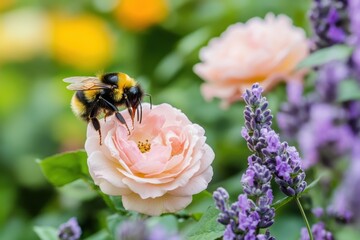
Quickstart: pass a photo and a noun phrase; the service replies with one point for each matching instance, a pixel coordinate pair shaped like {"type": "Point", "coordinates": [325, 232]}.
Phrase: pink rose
{"type": "Point", "coordinates": [158, 167]}
{"type": "Point", "coordinates": [261, 50]}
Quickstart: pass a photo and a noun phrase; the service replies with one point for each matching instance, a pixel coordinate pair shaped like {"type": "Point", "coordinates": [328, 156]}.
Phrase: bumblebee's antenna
{"type": "Point", "coordinates": [148, 95]}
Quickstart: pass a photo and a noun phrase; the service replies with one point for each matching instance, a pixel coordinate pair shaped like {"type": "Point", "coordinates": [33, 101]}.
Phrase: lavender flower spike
{"type": "Point", "coordinates": [282, 160]}
{"type": "Point", "coordinates": [139, 230]}
{"type": "Point", "coordinates": [243, 218]}
{"type": "Point", "coordinates": [257, 117]}
{"type": "Point", "coordinates": [256, 184]}
{"type": "Point", "coordinates": [69, 230]}
{"type": "Point", "coordinates": [329, 22]}
{"type": "Point", "coordinates": [271, 158]}
{"type": "Point", "coordinates": [319, 232]}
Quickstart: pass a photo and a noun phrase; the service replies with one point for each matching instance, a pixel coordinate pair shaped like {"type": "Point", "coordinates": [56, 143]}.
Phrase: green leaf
{"type": "Point", "coordinates": [319, 57]}
{"type": "Point", "coordinates": [168, 222]}
{"type": "Point", "coordinates": [348, 90]}
{"type": "Point", "coordinates": [194, 40]}
{"type": "Point", "coordinates": [200, 202]}
{"type": "Point", "coordinates": [346, 232]}
{"type": "Point", "coordinates": [208, 227]}
{"type": "Point", "coordinates": [172, 63]}
{"type": "Point", "coordinates": [64, 168]}
{"type": "Point", "coordinates": [46, 233]}
{"type": "Point", "coordinates": [101, 235]}
{"type": "Point", "coordinates": [278, 204]}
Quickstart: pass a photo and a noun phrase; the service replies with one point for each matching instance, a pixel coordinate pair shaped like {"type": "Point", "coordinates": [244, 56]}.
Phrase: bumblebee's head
{"type": "Point", "coordinates": [134, 97]}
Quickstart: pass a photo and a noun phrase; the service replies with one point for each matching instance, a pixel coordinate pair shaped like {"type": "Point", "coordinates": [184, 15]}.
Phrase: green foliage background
{"type": "Point", "coordinates": [36, 120]}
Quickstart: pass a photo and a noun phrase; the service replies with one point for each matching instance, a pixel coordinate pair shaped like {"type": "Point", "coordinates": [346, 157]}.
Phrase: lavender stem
{"type": "Point", "coordinates": [304, 217]}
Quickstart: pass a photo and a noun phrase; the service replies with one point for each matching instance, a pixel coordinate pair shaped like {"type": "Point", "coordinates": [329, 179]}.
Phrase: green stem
{"type": "Point", "coordinates": [107, 200]}
{"type": "Point", "coordinates": [304, 217]}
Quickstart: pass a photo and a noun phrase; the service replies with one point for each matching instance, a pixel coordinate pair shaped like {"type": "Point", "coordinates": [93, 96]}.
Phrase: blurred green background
{"type": "Point", "coordinates": [155, 41]}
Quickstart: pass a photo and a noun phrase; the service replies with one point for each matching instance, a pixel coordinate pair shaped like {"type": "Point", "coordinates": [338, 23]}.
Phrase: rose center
{"type": "Point", "coordinates": [144, 146]}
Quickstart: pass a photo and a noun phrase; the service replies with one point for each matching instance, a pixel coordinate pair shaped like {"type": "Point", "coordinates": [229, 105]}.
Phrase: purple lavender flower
{"type": "Point", "coordinates": [221, 198]}
{"type": "Point", "coordinates": [257, 118]}
{"type": "Point", "coordinates": [248, 219]}
{"type": "Point", "coordinates": [329, 22]}
{"type": "Point", "coordinates": [131, 230]}
{"type": "Point", "coordinates": [265, 236]}
{"type": "Point", "coordinates": [160, 233]}
{"type": "Point", "coordinates": [353, 9]}
{"type": "Point", "coordinates": [339, 208]}
{"type": "Point", "coordinates": [244, 218]}
{"type": "Point", "coordinates": [69, 230]}
{"type": "Point", "coordinates": [292, 117]}
{"type": "Point", "coordinates": [328, 79]}
{"type": "Point", "coordinates": [272, 140]}
{"type": "Point", "coordinates": [326, 136]}
{"type": "Point", "coordinates": [288, 171]}
{"type": "Point", "coordinates": [318, 212]}
{"type": "Point", "coordinates": [256, 184]}
{"type": "Point", "coordinates": [271, 158]}
{"type": "Point", "coordinates": [323, 127]}
{"type": "Point", "coordinates": [319, 232]}
{"type": "Point", "coordinates": [352, 109]}
{"type": "Point", "coordinates": [229, 234]}
{"type": "Point", "coordinates": [345, 205]}
{"type": "Point", "coordinates": [256, 180]}
{"type": "Point", "coordinates": [355, 62]}
{"type": "Point", "coordinates": [283, 161]}
{"type": "Point", "coordinates": [138, 230]}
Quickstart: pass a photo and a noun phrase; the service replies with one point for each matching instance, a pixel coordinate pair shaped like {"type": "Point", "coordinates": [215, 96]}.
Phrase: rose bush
{"type": "Point", "coordinates": [261, 50]}
{"type": "Point", "coordinates": [158, 167]}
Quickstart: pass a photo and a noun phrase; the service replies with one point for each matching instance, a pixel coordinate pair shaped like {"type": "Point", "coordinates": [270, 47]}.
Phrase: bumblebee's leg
{"type": "Point", "coordinates": [96, 124]}
{"type": "Point", "coordinates": [128, 106]}
{"type": "Point", "coordinates": [117, 113]}
{"type": "Point", "coordinates": [122, 120]}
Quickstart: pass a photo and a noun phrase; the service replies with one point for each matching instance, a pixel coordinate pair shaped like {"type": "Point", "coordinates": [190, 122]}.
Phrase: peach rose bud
{"type": "Point", "coordinates": [158, 167]}
{"type": "Point", "coordinates": [261, 50]}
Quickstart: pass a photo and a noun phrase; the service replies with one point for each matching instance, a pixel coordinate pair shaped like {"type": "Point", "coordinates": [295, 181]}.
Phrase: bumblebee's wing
{"type": "Point", "coordinates": [85, 83]}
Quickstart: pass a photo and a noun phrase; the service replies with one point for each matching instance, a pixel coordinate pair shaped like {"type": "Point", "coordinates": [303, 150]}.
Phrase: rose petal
{"type": "Point", "coordinates": [105, 174]}
{"type": "Point", "coordinates": [155, 206]}
{"type": "Point", "coordinates": [196, 184]}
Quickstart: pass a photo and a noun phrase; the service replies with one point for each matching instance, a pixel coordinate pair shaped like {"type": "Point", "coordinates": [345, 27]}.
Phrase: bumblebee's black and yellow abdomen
{"type": "Point", "coordinates": [84, 102]}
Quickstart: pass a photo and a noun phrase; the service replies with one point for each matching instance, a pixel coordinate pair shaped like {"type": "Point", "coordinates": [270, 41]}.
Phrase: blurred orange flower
{"type": "Point", "coordinates": [6, 3]}
{"type": "Point", "coordinates": [82, 41]}
{"type": "Point", "coordinates": [140, 14]}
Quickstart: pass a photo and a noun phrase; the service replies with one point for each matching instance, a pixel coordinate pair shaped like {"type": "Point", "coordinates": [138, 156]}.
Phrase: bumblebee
{"type": "Point", "coordinates": [104, 94]}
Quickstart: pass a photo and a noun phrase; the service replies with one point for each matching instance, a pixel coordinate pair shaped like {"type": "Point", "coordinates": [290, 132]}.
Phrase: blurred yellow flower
{"type": "Point", "coordinates": [82, 41]}
{"type": "Point", "coordinates": [23, 34]}
{"type": "Point", "coordinates": [140, 14]}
